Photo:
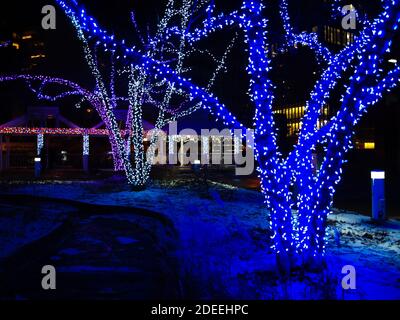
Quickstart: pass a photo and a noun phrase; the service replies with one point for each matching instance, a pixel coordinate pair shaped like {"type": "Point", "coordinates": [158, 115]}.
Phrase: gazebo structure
{"type": "Point", "coordinates": [42, 126]}
{"type": "Point", "coordinates": [35, 123]}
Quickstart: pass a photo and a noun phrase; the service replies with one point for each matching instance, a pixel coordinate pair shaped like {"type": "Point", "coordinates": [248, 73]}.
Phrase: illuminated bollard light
{"type": "Point", "coordinates": [196, 167]}
{"type": "Point", "coordinates": [378, 196]}
{"type": "Point", "coordinates": [38, 167]}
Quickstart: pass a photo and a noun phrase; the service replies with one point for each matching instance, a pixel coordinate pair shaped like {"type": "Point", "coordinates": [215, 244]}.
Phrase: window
{"type": "Point", "coordinates": [369, 145]}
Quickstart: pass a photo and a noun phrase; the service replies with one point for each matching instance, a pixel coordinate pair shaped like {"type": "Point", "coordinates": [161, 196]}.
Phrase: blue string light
{"type": "Point", "coordinates": [300, 232]}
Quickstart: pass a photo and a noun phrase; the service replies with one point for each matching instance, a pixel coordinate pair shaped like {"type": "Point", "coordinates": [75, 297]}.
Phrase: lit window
{"type": "Point", "coordinates": [38, 56]}
{"type": "Point", "coordinates": [369, 145]}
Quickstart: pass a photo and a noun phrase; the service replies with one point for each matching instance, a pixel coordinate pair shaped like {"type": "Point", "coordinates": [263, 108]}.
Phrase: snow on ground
{"type": "Point", "coordinates": [225, 246]}
{"type": "Point", "coordinates": [373, 249]}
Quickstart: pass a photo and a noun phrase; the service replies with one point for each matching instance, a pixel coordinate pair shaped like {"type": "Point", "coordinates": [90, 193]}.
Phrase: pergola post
{"type": "Point", "coordinates": [205, 150]}
{"type": "Point", "coordinates": [162, 149]}
{"type": "Point", "coordinates": [40, 143]}
{"type": "Point", "coordinates": [38, 158]}
{"type": "Point", "coordinates": [182, 150]}
{"type": "Point", "coordinates": [237, 145]}
{"type": "Point", "coordinates": [237, 148]}
{"type": "Point", "coordinates": [172, 156]}
{"type": "Point", "coordinates": [86, 152]}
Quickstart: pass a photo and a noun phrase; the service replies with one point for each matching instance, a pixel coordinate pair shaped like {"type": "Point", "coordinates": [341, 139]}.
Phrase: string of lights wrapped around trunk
{"type": "Point", "coordinates": [302, 232]}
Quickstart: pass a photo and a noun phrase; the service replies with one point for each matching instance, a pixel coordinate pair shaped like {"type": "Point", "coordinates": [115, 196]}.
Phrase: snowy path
{"type": "Point", "coordinates": [98, 252]}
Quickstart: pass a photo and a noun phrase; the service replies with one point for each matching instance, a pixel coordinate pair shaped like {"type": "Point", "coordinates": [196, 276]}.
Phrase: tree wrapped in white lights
{"type": "Point", "coordinates": [296, 233]}
{"type": "Point", "coordinates": [145, 89]}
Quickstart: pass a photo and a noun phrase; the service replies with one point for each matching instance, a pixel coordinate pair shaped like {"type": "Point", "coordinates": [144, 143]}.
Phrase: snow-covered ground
{"type": "Point", "coordinates": [225, 250]}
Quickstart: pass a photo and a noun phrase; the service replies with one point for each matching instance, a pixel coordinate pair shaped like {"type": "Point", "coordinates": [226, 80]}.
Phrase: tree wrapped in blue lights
{"type": "Point", "coordinates": [296, 233]}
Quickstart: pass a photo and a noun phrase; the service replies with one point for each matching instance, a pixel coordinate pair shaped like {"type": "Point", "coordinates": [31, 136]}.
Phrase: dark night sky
{"type": "Point", "coordinates": [64, 53]}
{"type": "Point", "coordinates": [65, 56]}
